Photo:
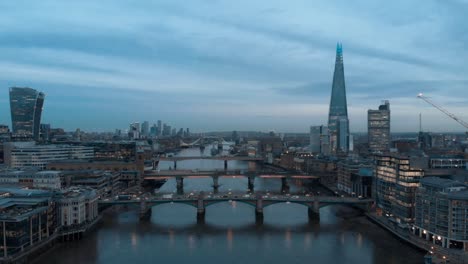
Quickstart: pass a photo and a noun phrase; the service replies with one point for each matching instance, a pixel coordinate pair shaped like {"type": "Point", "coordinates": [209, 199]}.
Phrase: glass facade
{"type": "Point", "coordinates": [378, 127]}
{"type": "Point", "coordinates": [26, 110]}
{"type": "Point", "coordinates": [338, 123]}
{"type": "Point", "coordinates": [395, 186]}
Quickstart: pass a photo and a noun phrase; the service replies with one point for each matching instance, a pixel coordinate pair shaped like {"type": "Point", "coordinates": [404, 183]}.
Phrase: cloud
{"type": "Point", "coordinates": [194, 62]}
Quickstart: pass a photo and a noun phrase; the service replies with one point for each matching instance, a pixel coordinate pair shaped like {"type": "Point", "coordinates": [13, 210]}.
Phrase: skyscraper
{"type": "Point", "coordinates": [319, 141]}
{"type": "Point", "coordinates": [26, 110]}
{"type": "Point", "coordinates": [378, 128]}
{"type": "Point", "coordinates": [338, 122]}
{"type": "Point", "coordinates": [145, 128]}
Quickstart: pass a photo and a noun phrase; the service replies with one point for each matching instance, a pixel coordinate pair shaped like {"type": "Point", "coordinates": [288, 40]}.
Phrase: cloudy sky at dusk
{"type": "Point", "coordinates": [225, 65]}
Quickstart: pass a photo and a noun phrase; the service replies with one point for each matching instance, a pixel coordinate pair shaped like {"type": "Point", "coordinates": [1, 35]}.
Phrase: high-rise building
{"type": "Point", "coordinates": [145, 128]}
{"type": "Point", "coordinates": [26, 110]}
{"type": "Point", "coordinates": [160, 128]}
{"type": "Point", "coordinates": [338, 123]}
{"type": "Point", "coordinates": [378, 128]}
{"type": "Point", "coordinates": [319, 141]}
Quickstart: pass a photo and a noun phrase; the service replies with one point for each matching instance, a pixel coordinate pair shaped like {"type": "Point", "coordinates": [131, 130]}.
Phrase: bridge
{"type": "Point", "coordinates": [180, 175]}
{"type": "Point", "coordinates": [201, 141]}
{"type": "Point", "coordinates": [258, 201]}
{"type": "Point", "coordinates": [226, 159]}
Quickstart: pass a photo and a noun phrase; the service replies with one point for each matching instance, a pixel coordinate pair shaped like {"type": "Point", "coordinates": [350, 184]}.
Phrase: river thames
{"type": "Point", "coordinates": [230, 235]}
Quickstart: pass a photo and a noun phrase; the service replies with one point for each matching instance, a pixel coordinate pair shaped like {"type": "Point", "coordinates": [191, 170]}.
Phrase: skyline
{"type": "Point", "coordinates": [212, 65]}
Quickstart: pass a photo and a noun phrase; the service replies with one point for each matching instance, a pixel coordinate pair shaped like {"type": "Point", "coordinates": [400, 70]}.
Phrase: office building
{"type": "Point", "coordinates": [78, 206]}
{"type": "Point", "coordinates": [396, 180]}
{"type": "Point", "coordinates": [51, 180]}
{"type": "Point", "coordinates": [26, 110]}
{"type": "Point", "coordinates": [145, 129]}
{"type": "Point", "coordinates": [348, 171]}
{"type": "Point", "coordinates": [319, 141]}
{"type": "Point", "coordinates": [21, 155]}
{"type": "Point", "coordinates": [338, 123]}
{"type": "Point", "coordinates": [442, 213]}
{"type": "Point", "coordinates": [378, 128]}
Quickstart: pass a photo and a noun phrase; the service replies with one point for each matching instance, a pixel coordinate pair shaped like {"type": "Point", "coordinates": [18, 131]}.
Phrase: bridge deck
{"type": "Point", "coordinates": [241, 158]}
{"type": "Point", "coordinates": [243, 198]}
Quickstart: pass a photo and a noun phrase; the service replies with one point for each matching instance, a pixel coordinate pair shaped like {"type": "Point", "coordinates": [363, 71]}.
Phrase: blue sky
{"type": "Point", "coordinates": [225, 65]}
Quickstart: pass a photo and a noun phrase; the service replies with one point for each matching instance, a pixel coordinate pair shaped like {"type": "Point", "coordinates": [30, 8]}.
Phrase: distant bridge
{"type": "Point", "coordinates": [201, 141]}
{"type": "Point", "coordinates": [156, 160]}
{"type": "Point", "coordinates": [201, 201]}
{"type": "Point", "coordinates": [180, 175]}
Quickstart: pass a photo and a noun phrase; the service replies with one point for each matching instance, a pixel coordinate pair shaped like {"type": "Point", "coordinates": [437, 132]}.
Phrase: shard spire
{"type": "Point", "coordinates": [338, 122]}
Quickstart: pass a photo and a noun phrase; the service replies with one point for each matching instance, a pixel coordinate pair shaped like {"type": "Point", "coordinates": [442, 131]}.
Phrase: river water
{"type": "Point", "coordinates": [230, 235]}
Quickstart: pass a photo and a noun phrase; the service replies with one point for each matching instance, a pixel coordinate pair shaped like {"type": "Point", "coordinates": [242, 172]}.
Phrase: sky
{"type": "Point", "coordinates": [263, 65]}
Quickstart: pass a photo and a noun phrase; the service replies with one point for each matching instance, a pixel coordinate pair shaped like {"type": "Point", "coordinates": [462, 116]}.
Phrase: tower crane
{"type": "Point", "coordinates": [454, 117]}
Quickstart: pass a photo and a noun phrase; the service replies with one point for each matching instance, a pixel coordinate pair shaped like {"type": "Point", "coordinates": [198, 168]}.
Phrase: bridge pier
{"type": "Point", "coordinates": [314, 212]}
{"type": "Point", "coordinates": [259, 211]}
{"type": "Point", "coordinates": [251, 180]}
{"type": "Point", "coordinates": [145, 211]}
{"type": "Point", "coordinates": [180, 185]}
{"type": "Point", "coordinates": [155, 164]}
{"type": "Point", "coordinates": [215, 183]}
{"type": "Point", "coordinates": [284, 185]}
{"type": "Point", "coordinates": [200, 210]}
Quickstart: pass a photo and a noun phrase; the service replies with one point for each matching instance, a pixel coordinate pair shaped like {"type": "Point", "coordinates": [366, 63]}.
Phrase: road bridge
{"type": "Point", "coordinates": [258, 201]}
{"type": "Point", "coordinates": [226, 159]}
{"type": "Point", "coordinates": [180, 175]}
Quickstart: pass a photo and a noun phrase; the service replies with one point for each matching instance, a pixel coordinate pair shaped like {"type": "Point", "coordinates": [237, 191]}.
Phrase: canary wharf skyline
{"type": "Point", "coordinates": [217, 65]}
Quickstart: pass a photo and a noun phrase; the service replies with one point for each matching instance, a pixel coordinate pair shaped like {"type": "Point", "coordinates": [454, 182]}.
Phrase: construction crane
{"type": "Point", "coordinates": [454, 117]}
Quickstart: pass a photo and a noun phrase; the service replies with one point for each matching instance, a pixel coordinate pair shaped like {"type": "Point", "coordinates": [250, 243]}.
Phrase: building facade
{"type": "Point", "coordinates": [378, 128]}
{"type": "Point", "coordinates": [442, 212]}
{"type": "Point", "coordinates": [26, 110]}
{"type": "Point", "coordinates": [396, 181]}
{"type": "Point", "coordinates": [347, 171]}
{"type": "Point", "coordinates": [78, 206]}
{"type": "Point", "coordinates": [51, 180]}
{"type": "Point", "coordinates": [338, 122]}
{"type": "Point", "coordinates": [319, 140]}
{"type": "Point", "coordinates": [21, 155]}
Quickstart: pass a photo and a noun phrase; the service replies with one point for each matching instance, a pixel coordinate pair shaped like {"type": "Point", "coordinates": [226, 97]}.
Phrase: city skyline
{"type": "Point", "coordinates": [116, 67]}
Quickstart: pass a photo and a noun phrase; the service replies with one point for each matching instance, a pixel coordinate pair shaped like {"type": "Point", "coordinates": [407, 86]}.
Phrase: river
{"type": "Point", "coordinates": [230, 235]}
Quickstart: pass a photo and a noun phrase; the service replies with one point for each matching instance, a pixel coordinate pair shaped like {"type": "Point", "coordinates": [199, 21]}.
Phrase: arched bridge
{"type": "Point", "coordinates": [201, 202]}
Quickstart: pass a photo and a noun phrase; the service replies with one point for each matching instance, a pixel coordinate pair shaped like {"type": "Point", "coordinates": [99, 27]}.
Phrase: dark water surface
{"type": "Point", "coordinates": [230, 235]}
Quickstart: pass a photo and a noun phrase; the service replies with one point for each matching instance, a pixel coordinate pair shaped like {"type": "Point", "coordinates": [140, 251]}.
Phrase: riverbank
{"type": "Point", "coordinates": [64, 235]}
{"type": "Point", "coordinates": [438, 254]}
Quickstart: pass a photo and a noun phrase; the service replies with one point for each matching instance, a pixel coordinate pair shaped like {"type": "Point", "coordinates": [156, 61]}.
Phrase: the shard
{"type": "Point", "coordinates": [338, 122]}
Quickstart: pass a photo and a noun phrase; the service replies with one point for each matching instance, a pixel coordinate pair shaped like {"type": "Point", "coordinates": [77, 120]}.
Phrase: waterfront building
{"type": "Point", "coordinates": [319, 140]}
{"type": "Point", "coordinates": [78, 206]}
{"type": "Point", "coordinates": [52, 180]}
{"type": "Point", "coordinates": [347, 170]}
{"type": "Point", "coordinates": [378, 128]}
{"type": "Point", "coordinates": [26, 110]}
{"type": "Point", "coordinates": [28, 219]}
{"type": "Point", "coordinates": [396, 180]}
{"type": "Point", "coordinates": [442, 212]}
{"type": "Point", "coordinates": [21, 155]}
{"type": "Point", "coordinates": [338, 122]}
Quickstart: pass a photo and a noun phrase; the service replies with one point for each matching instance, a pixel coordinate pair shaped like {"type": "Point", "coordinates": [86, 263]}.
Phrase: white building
{"type": "Point", "coordinates": [20, 155]}
{"type": "Point", "coordinates": [51, 180]}
{"type": "Point", "coordinates": [78, 205]}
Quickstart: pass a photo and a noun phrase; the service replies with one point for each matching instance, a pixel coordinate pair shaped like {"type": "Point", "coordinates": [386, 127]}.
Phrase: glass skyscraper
{"type": "Point", "coordinates": [26, 110]}
{"type": "Point", "coordinates": [338, 122]}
